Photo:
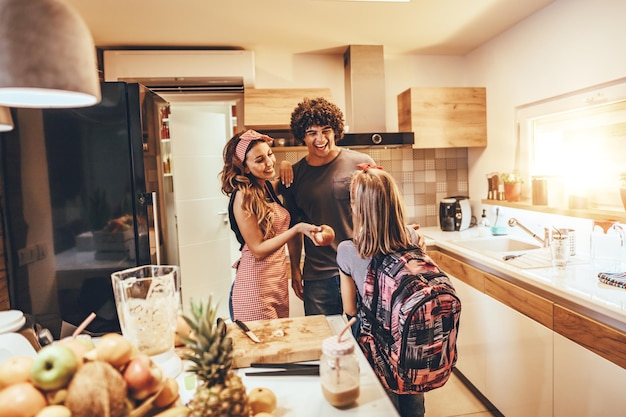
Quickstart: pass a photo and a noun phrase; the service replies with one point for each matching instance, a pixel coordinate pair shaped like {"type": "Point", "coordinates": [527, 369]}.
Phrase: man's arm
{"type": "Point", "coordinates": [295, 254]}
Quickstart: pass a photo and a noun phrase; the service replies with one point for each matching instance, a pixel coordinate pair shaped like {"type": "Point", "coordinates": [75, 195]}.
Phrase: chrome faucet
{"type": "Point", "coordinates": [545, 242]}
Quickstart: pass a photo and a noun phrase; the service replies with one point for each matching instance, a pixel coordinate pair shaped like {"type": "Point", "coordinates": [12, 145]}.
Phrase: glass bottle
{"type": "Point", "coordinates": [339, 372]}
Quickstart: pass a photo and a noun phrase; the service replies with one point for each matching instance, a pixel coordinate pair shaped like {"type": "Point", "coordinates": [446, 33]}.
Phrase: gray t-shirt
{"type": "Point", "coordinates": [321, 195]}
{"type": "Point", "coordinates": [350, 262]}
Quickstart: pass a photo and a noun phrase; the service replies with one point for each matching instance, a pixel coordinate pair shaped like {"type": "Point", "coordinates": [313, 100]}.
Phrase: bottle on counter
{"type": "Point", "coordinates": [483, 225]}
{"type": "Point", "coordinates": [339, 372]}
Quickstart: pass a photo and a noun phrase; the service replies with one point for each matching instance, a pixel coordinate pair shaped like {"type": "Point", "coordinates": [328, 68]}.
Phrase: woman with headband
{"type": "Point", "coordinates": [261, 225]}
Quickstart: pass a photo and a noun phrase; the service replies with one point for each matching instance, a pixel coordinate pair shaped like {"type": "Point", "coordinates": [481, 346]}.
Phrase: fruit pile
{"type": "Point", "coordinates": [74, 378]}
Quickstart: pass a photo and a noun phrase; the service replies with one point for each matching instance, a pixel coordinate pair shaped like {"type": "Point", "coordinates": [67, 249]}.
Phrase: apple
{"type": "Point", "coordinates": [114, 349]}
{"type": "Point", "coordinates": [21, 400]}
{"type": "Point", "coordinates": [14, 370]}
{"type": "Point", "coordinates": [261, 400]}
{"type": "Point", "coordinates": [326, 236]}
{"type": "Point", "coordinates": [53, 367]}
{"type": "Point", "coordinates": [143, 377]}
{"type": "Point", "coordinates": [79, 345]}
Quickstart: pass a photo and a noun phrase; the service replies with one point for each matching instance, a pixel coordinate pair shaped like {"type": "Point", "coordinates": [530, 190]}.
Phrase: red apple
{"type": "Point", "coordinates": [326, 236]}
{"type": "Point", "coordinates": [143, 377]}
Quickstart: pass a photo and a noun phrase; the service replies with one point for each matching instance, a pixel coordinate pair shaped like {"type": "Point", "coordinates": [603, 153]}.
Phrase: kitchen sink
{"type": "Point", "coordinates": [497, 244]}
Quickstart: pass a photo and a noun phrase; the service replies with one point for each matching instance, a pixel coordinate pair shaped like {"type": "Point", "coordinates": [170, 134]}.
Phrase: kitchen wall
{"type": "Point", "coordinates": [569, 45]}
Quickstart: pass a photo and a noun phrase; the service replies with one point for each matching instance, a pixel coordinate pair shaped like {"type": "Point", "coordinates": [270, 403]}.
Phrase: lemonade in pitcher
{"type": "Point", "coordinates": [147, 301]}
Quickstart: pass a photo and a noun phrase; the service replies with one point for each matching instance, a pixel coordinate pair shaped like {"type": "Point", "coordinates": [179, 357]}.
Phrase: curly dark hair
{"type": "Point", "coordinates": [316, 112]}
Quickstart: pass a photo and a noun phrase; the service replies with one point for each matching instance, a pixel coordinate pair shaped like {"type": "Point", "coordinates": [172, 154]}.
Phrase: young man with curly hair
{"type": "Point", "coordinates": [320, 194]}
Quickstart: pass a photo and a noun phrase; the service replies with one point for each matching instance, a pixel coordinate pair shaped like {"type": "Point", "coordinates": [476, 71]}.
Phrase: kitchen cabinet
{"type": "Point", "coordinates": [502, 352]}
{"type": "Point", "coordinates": [444, 117]}
{"type": "Point", "coordinates": [271, 108]}
{"type": "Point", "coordinates": [584, 383]}
{"type": "Point", "coordinates": [533, 354]}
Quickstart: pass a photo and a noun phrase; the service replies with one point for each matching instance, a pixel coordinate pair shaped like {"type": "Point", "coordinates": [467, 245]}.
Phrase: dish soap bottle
{"type": "Point", "coordinates": [483, 225]}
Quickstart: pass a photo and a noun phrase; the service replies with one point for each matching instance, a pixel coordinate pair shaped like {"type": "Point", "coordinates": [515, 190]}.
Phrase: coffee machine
{"type": "Point", "coordinates": [455, 213]}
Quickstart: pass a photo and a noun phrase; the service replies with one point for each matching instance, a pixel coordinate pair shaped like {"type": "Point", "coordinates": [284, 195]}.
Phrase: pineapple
{"type": "Point", "coordinates": [220, 391]}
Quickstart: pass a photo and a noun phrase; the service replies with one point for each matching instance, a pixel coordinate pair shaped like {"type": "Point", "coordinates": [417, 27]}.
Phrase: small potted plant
{"type": "Point", "coordinates": [512, 185]}
{"type": "Point", "coordinates": [622, 188]}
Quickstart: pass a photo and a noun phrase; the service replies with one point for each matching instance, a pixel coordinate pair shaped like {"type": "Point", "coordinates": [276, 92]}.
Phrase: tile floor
{"type": "Point", "coordinates": [454, 399]}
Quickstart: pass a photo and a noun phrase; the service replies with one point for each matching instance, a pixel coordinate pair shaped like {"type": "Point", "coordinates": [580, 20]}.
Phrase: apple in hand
{"type": "Point", "coordinates": [143, 377]}
{"type": "Point", "coordinates": [326, 236]}
{"type": "Point", "coordinates": [53, 367]}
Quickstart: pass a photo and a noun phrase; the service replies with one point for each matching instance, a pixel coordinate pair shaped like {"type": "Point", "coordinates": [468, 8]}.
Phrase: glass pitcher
{"type": "Point", "coordinates": [607, 242]}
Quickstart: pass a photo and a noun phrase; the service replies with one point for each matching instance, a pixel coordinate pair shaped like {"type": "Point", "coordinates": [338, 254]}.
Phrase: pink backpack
{"type": "Point", "coordinates": [410, 319]}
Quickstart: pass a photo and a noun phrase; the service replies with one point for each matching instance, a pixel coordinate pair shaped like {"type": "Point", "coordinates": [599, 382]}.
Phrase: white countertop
{"type": "Point", "coordinates": [577, 283]}
{"type": "Point", "coordinates": [301, 396]}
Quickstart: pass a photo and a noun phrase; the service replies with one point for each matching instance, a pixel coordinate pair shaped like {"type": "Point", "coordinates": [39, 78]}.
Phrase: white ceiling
{"type": "Point", "coordinates": [427, 27]}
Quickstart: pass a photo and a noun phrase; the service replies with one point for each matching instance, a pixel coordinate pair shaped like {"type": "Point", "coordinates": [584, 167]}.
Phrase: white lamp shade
{"type": "Point", "coordinates": [6, 121]}
{"type": "Point", "coordinates": [47, 56]}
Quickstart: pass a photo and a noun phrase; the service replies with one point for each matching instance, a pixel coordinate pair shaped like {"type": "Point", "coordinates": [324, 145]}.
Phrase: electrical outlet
{"type": "Point", "coordinates": [27, 255]}
{"type": "Point", "coordinates": [42, 252]}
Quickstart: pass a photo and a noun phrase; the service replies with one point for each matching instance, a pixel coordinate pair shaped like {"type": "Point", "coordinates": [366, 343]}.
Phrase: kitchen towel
{"type": "Point", "coordinates": [617, 279]}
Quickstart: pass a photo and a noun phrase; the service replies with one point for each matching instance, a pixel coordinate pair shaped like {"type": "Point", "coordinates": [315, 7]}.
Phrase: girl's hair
{"type": "Point", "coordinates": [234, 179]}
{"type": "Point", "coordinates": [377, 214]}
{"type": "Point", "coordinates": [316, 112]}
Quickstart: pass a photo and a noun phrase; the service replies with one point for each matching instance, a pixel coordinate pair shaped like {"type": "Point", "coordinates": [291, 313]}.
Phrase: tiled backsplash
{"type": "Point", "coordinates": [424, 176]}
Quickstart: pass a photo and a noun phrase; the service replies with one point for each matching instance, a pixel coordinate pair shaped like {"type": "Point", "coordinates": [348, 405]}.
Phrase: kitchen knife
{"type": "Point", "coordinates": [247, 331]}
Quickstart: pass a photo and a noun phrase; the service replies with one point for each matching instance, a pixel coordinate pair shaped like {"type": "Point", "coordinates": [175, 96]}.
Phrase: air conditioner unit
{"type": "Point", "coordinates": [191, 70]}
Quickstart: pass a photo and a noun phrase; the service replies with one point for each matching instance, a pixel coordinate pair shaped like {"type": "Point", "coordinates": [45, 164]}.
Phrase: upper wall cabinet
{"type": "Point", "coordinates": [444, 117]}
{"type": "Point", "coordinates": [271, 108]}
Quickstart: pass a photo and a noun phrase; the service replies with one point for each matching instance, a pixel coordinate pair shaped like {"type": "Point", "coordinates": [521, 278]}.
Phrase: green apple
{"type": "Point", "coordinates": [53, 367]}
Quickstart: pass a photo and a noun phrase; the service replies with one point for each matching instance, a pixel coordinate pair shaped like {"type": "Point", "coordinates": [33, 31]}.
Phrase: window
{"type": "Point", "coordinates": [578, 143]}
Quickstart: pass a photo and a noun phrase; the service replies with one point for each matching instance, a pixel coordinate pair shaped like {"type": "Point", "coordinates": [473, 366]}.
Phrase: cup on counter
{"type": "Point", "coordinates": [560, 250]}
{"type": "Point", "coordinates": [147, 302]}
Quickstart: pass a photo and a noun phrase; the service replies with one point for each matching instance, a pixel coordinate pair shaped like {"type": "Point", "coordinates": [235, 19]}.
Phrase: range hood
{"type": "Point", "coordinates": [364, 71]}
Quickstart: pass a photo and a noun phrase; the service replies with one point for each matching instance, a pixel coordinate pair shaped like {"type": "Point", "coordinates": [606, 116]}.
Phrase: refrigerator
{"type": "Point", "coordinates": [86, 194]}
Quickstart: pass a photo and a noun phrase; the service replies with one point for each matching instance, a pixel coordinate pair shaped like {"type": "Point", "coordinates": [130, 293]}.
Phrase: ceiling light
{"type": "Point", "coordinates": [6, 121]}
{"type": "Point", "coordinates": [47, 56]}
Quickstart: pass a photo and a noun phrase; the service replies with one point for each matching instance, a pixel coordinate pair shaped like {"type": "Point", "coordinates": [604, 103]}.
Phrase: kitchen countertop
{"type": "Point", "coordinates": [577, 284]}
{"type": "Point", "coordinates": [301, 396]}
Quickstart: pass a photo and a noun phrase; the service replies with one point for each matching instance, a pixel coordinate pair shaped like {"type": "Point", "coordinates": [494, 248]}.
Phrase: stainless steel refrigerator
{"type": "Point", "coordinates": [84, 193]}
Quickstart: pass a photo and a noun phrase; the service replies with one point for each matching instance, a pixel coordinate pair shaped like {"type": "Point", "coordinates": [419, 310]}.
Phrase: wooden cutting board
{"type": "Point", "coordinates": [291, 339]}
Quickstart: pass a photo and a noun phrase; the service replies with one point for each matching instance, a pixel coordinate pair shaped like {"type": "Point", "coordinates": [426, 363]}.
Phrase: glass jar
{"type": "Point", "coordinates": [339, 372]}
{"type": "Point", "coordinates": [607, 241]}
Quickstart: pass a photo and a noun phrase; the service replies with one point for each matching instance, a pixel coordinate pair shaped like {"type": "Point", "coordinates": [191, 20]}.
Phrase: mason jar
{"type": "Point", "coordinates": [339, 372]}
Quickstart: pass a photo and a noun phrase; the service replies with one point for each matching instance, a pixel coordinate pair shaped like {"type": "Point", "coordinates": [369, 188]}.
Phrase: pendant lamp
{"type": "Point", "coordinates": [47, 56]}
{"type": "Point", "coordinates": [6, 121]}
